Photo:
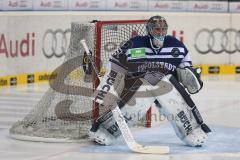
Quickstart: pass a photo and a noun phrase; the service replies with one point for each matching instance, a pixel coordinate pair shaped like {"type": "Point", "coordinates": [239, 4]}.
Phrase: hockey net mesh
{"type": "Point", "coordinates": [48, 123]}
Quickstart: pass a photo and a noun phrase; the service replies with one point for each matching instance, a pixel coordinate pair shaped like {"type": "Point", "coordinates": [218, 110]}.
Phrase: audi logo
{"type": "Point", "coordinates": [217, 41]}
{"type": "Point", "coordinates": [55, 42]}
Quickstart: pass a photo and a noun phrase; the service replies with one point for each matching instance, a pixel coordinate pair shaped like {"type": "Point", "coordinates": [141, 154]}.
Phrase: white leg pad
{"type": "Point", "coordinates": [184, 123]}
{"type": "Point", "coordinates": [133, 111]}
{"type": "Point", "coordinates": [101, 136]}
{"type": "Point", "coordinates": [196, 138]}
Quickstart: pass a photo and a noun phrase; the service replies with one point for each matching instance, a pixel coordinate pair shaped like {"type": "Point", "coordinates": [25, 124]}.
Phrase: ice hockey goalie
{"type": "Point", "coordinates": [150, 60]}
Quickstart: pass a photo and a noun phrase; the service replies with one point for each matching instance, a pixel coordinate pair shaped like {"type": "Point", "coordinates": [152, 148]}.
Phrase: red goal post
{"type": "Point", "coordinates": [55, 116]}
{"type": "Point", "coordinates": [99, 36]}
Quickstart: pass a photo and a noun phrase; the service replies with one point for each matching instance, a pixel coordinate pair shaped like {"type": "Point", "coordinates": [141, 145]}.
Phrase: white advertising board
{"type": "Point", "coordinates": [234, 7]}
{"type": "Point", "coordinates": [1, 5]}
{"type": "Point", "coordinates": [87, 5]}
{"type": "Point", "coordinates": [27, 42]}
{"type": "Point", "coordinates": [121, 5]}
{"type": "Point", "coordinates": [127, 5]}
{"type": "Point", "coordinates": [208, 6]}
{"type": "Point", "coordinates": [17, 5]}
{"type": "Point", "coordinates": [50, 5]}
{"type": "Point", "coordinates": [159, 5]}
{"type": "Point", "coordinates": [26, 47]}
{"type": "Point", "coordinates": [204, 36]}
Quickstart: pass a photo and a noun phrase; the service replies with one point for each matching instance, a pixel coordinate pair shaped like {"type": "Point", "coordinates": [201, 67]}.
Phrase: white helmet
{"type": "Point", "coordinates": [157, 29]}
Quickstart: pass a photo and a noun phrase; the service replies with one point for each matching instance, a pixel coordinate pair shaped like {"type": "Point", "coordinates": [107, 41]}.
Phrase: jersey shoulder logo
{"type": "Point", "coordinates": [138, 53]}
{"type": "Point", "coordinates": [175, 52]}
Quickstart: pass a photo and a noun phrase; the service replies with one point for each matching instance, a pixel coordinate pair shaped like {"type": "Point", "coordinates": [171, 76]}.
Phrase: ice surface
{"type": "Point", "coordinates": [219, 103]}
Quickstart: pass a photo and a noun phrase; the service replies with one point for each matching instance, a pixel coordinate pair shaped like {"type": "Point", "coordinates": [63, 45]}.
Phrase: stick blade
{"type": "Point", "coordinates": [150, 149]}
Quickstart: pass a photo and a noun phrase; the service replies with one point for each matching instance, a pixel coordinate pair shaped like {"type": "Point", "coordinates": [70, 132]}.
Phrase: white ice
{"type": "Point", "coordinates": [219, 103]}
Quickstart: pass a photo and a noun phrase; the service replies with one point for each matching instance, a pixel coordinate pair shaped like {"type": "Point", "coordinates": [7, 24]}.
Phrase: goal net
{"type": "Point", "coordinates": [58, 116]}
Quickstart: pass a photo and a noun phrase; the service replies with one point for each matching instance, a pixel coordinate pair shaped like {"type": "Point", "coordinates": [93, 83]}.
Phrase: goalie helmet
{"type": "Point", "coordinates": [157, 30]}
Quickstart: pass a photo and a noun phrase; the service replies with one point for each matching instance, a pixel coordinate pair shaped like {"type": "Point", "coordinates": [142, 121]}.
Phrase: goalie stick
{"type": "Point", "coordinates": [127, 135]}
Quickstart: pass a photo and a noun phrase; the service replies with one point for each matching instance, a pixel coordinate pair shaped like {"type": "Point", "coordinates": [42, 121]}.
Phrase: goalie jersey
{"type": "Point", "coordinates": [137, 57]}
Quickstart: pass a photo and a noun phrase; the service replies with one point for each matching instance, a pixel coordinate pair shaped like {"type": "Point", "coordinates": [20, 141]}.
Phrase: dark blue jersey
{"type": "Point", "coordinates": [138, 56]}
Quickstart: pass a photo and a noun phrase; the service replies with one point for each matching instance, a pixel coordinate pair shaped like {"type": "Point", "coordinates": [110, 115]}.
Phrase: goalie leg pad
{"type": "Point", "coordinates": [133, 108]}
{"type": "Point", "coordinates": [110, 87]}
{"type": "Point", "coordinates": [188, 123]}
{"type": "Point", "coordinates": [101, 136]}
{"type": "Point", "coordinates": [195, 112]}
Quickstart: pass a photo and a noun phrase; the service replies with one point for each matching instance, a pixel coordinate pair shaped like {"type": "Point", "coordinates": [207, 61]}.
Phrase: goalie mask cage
{"type": "Point", "coordinates": [47, 121]}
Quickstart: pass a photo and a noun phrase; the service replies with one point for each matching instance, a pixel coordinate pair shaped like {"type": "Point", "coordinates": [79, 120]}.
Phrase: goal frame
{"type": "Point", "coordinates": [99, 26]}
{"type": "Point", "coordinates": [28, 128]}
